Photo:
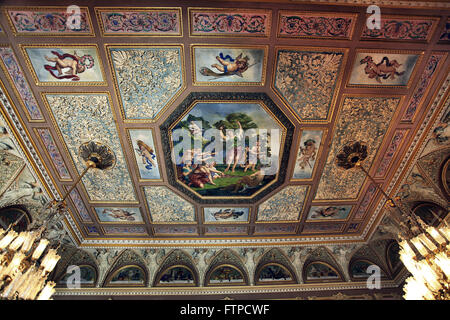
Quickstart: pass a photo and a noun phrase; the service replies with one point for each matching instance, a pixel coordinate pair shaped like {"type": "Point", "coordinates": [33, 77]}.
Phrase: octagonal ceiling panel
{"type": "Point", "coordinates": [243, 123]}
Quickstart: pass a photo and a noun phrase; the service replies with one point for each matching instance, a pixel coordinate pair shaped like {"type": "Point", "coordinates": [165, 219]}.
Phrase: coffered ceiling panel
{"type": "Point", "coordinates": [128, 76]}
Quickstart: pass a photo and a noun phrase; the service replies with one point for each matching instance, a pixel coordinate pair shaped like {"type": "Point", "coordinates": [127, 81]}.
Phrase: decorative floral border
{"type": "Point", "coordinates": [210, 22]}
{"type": "Point", "coordinates": [125, 21]}
{"type": "Point", "coordinates": [423, 86]}
{"type": "Point", "coordinates": [47, 140]}
{"type": "Point", "coordinates": [320, 25]}
{"type": "Point", "coordinates": [35, 20]}
{"type": "Point", "coordinates": [395, 144]}
{"type": "Point", "coordinates": [17, 78]}
{"type": "Point", "coordinates": [402, 28]}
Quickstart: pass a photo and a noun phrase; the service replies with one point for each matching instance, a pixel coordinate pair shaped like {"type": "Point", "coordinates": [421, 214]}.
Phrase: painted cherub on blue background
{"type": "Point", "coordinates": [147, 154]}
{"type": "Point", "coordinates": [228, 66]}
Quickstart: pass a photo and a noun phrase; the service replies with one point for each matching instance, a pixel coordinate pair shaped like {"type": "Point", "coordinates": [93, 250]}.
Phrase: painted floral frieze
{"type": "Point", "coordinates": [79, 204]}
{"type": "Point", "coordinates": [401, 29]}
{"type": "Point", "coordinates": [46, 21]}
{"type": "Point", "coordinates": [315, 25]}
{"type": "Point", "coordinates": [396, 143]}
{"type": "Point", "coordinates": [53, 152]}
{"type": "Point", "coordinates": [422, 86]}
{"type": "Point", "coordinates": [20, 83]}
{"type": "Point", "coordinates": [230, 22]}
{"type": "Point", "coordinates": [147, 22]}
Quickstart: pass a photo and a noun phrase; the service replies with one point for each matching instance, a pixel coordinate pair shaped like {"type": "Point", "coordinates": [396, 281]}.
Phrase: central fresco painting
{"type": "Point", "coordinates": [226, 148]}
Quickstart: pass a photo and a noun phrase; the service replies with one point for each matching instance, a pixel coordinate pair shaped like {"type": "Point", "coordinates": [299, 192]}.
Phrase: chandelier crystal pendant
{"type": "Point", "coordinates": [424, 250]}
{"type": "Point", "coordinates": [27, 258]}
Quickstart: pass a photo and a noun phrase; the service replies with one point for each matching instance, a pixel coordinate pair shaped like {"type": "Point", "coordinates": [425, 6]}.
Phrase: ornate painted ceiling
{"type": "Point", "coordinates": [129, 77]}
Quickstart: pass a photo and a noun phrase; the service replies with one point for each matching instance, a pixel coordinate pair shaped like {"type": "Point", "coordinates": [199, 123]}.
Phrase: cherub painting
{"type": "Point", "coordinates": [126, 215]}
{"type": "Point", "coordinates": [144, 150]}
{"type": "Point", "coordinates": [226, 214]}
{"type": "Point", "coordinates": [329, 212]}
{"type": "Point", "coordinates": [74, 63]}
{"type": "Point", "coordinates": [383, 69]}
{"type": "Point", "coordinates": [229, 66]}
{"type": "Point", "coordinates": [307, 154]}
{"type": "Point", "coordinates": [64, 65]}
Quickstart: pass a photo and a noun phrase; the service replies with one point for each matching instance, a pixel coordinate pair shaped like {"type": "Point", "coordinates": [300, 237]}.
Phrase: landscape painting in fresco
{"type": "Point", "coordinates": [236, 174]}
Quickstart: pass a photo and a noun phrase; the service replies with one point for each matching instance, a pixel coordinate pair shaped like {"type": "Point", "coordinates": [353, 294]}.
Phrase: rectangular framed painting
{"type": "Point", "coordinates": [374, 68]}
{"type": "Point", "coordinates": [64, 65]}
{"type": "Point", "coordinates": [329, 212]}
{"type": "Point", "coordinates": [308, 151]}
{"type": "Point", "coordinates": [225, 65]}
{"type": "Point", "coordinates": [144, 151]}
{"type": "Point", "coordinates": [118, 215]}
{"type": "Point", "coordinates": [226, 215]}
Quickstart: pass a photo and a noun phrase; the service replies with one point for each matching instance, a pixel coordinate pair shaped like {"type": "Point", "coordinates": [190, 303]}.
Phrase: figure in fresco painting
{"type": "Point", "coordinates": [147, 154]}
{"type": "Point", "coordinates": [383, 70]}
{"type": "Point", "coordinates": [327, 212]}
{"type": "Point", "coordinates": [442, 131]}
{"type": "Point", "coordinates": [228, 66]}
{"type": "Point", "coordinates": [73, 62]}
{"type": "Point", "coordinates": [250, 181]}
{"type": "Point", "coordinates": [235, 153]}
{"type": "Point", "coordinates": [119, 214]}
{"type": "Point", "coordinates": [307, 153]}
{"type": "Point", "coordinates": [227, 214]}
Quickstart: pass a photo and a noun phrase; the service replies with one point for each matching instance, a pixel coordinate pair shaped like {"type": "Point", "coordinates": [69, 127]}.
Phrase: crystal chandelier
{"type": "Point", "coordinates": [425, 250]}
{"type": "Point", "coordinates": [24, 268]}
